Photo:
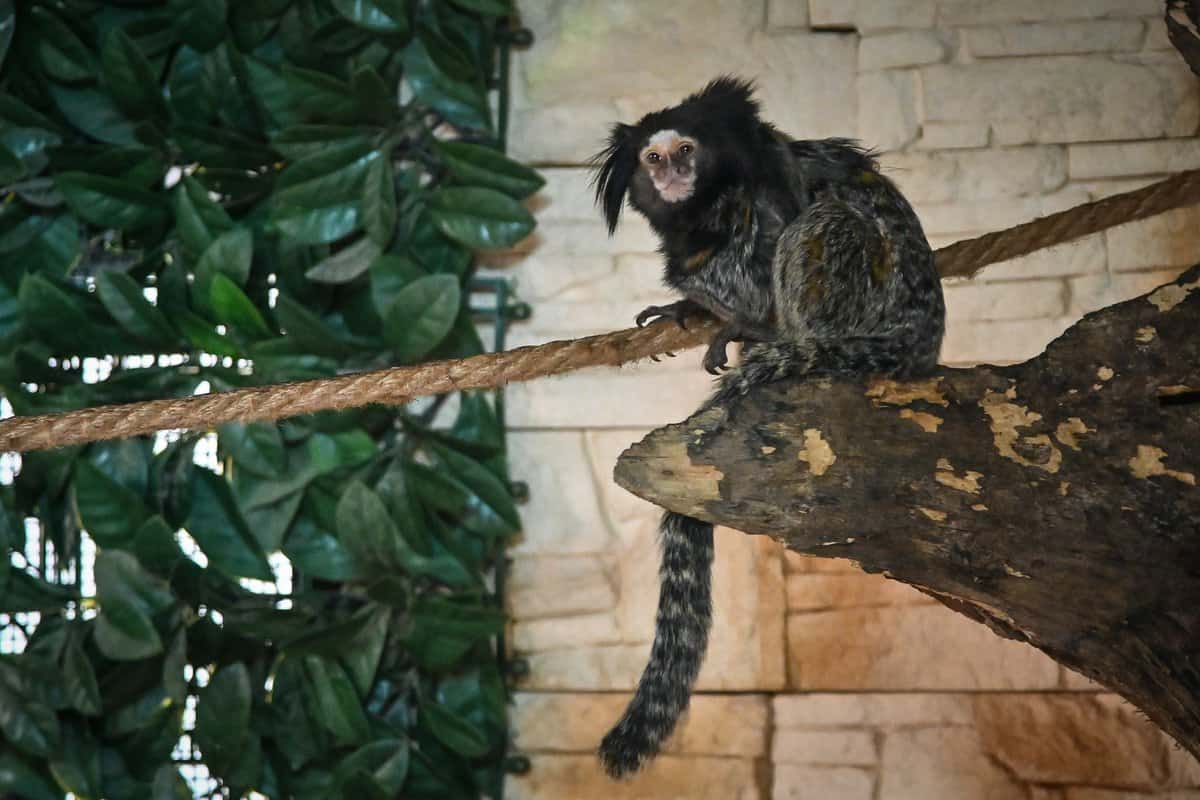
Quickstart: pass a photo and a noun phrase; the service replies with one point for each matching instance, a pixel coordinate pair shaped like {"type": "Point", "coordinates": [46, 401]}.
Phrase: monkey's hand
{"type": "Point", "coordinates": [678, 311]}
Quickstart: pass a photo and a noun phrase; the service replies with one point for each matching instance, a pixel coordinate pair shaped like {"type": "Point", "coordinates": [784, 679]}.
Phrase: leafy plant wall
{"type": "Point", "coordinates": [201, 195]}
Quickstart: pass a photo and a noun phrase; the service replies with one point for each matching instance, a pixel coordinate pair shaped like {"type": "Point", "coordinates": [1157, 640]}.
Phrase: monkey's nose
{"type": "Point", "coordinates": [680, 169]}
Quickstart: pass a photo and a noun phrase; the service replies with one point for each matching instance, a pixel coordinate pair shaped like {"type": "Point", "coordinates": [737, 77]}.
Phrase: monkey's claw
{"type": "Point", "coordinates": [715, 359]}
{"type": "Point", "coordinates": [676, 311]}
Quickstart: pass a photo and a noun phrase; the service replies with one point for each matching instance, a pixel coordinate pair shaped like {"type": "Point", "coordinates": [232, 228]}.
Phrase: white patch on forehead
{"type": "Point", "coordinates": [663, 137]}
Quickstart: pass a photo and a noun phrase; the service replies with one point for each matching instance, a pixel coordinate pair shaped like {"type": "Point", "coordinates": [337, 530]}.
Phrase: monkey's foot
{"type": "Point", "coordinates": [715, 359]}
{"type": "Point", "coordinates": [678, 311]}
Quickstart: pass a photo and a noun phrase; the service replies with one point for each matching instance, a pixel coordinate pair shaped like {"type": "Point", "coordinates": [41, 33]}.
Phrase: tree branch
{"type": "Point", "coordinates": [1055, 500]}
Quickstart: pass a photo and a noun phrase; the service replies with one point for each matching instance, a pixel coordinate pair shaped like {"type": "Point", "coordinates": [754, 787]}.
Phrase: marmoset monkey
{"type": "Point", "coordinates": [803, 250]}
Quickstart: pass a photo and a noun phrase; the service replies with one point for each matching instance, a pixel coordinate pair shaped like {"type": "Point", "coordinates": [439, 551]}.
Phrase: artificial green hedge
{"type": "Point", "coordinates": [208, 194]}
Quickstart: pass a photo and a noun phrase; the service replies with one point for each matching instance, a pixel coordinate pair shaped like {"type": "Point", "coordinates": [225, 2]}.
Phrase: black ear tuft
{"type": "Point", "coordinates": [732, 95]}
{"type": "Point", "coordinates": [614, 165]}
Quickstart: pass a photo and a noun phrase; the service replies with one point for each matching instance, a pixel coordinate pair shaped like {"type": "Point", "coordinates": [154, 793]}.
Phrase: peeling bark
{"type": "Point", "coordinates": [1055, 500]}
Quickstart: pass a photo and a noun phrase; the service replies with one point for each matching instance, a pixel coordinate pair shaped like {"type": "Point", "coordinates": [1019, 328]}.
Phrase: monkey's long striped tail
{"type": "Point", "coordinates": [680, 639]}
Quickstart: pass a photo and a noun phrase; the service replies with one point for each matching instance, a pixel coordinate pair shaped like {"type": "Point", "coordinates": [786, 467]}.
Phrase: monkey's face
{"type": "Point", "coordinates": [668, 161]}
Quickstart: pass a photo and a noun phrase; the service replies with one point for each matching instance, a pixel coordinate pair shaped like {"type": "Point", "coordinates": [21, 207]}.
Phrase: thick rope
{"type": "Point", "coordinates": [490, 370]}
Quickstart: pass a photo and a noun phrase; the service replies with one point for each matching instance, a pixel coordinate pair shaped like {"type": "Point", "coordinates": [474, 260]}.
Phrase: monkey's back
{"type": "Point", "coordinates": [855, 262]}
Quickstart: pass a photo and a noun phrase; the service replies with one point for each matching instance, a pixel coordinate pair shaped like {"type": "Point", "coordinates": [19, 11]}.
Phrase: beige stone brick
{"type": "Point", "coordinates": [585, 669]}
{"type": "Point", "coordinates": [784, 14]}
{"type": "Point", "coordinates": [1183, 769]}
{"type": "Point", "coordinates": [1165, 240]}
{"type": "Point", "coordinates": [1072, 738]}
{"type": "Point", "coordinates": [1001, 342]}
{"type": "Point", "coordinates": [1100, 291]}
{"type": "Point", "coordinates": [1031, 299]}
{"type": "Point", "coordinates": [970, 176]}
{"type": "Point", "coordinates": [973, 218]}
{"type": "Point", "coordinates": [872, 16]}
{"type": "Point", "coordinates": [1100, 189]}
{"type": "Point", "coordinates": [887, 109]}
{"type": "Point", "coordinates": [900, 49]}
{"type": "Point", "coordinates": [1156, 35]}
{"type": "Point", "coordinates": [715, 725]}
{"type": "Point", "coordinates": [827, 748]}
{"type": "Point", "coordinates": [822, 783]}
{"type": "Point", "coordinates": [952, 135]}
{"type": "Point", "coordinates": [1066, 98]}
{"type": "Point", "coordinates": [635, 396]}
{"type": "Point", "coordinates": [982, 12]}
{"type": "Point", "coordinates": [908, 647]}
{"type": "Point", "coordinates": [831, 13]}
{"type": "Point", "coordinates": [562, 633]}
{"type": "Point", "coordinates": [820, 591]}
{"type": "Point", "coordinates": [1058, 38]}
{"type": "Point", "coordinates": [562, 516]}
{"type": "Point", "coordinates": [1086, 256]}
{"type": "Point", "coordinates": [579, 777]}
{"type": "Point", "coordinates": [1088, 793]}
{"type": "Point", "coordinates": [597, 62]}
{"type": "Point", "coordinates": [559, 586]}
{"type": "Point", "coordinates": [1128, 159]}
{"type": "Point", "coordinates": [942, 764]}
{"type": "Point", "coordinates": [883, 711]}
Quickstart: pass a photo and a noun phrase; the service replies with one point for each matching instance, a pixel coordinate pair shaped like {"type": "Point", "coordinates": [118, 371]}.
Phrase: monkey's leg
{"type": "Point", "coordinates": [678, 311]}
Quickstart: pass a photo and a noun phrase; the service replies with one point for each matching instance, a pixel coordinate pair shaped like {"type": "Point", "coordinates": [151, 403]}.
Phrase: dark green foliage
{"type": "Point", "coordinates": [208, 193]}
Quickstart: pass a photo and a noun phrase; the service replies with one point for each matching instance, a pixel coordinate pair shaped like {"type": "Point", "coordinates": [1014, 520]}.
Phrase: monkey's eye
{"type": "Point", "coordinates": [653, 158]}
{"type": "Point", "coordinates": [684, 149]}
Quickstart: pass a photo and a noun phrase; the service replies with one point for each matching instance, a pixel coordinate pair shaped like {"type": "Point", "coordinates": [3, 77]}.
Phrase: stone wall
{"type": "Point", "coordinates": [823, 682]}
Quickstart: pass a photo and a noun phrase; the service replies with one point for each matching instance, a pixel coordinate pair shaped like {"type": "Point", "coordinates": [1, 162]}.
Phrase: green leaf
{"type": "Point", "coordinates": [19, 779]}
{"type": "Point", "coordinates": [203, 336]}
{"type": "Point", "coordinates": [318, 553]}
{"type": "Point", "coordinates": [480, 218]}
{"type": "Point", "coordinates": [79, 680]}
{"type": "Point", "coordinates": [335, 704]}
{"type": "Point", "coordinates": [8, 24]}
{"type": "Point", "coordinates": [453, 497]}
{"type": "Point", "coordinates": [302, 141]}
{"type": "Point", "coordinates": [231, 306]}
{"type": "Point", "coordinates": [485, 166]}
{"type": "Point", "coordinates": [198, 218]}
{"type": "Point", "coordinates": [129, 597]}
{"type": "Point", "coordinates": [230, 254]}
{"type": "Point", "coordinates": [492, 504]}
{"type": "Point", "coordinates": [124, 299]}
{"type": "Point", "coordinates": [27, 593]}
{"type": "Point", "coordinates": [306, 329]}
{"type": "Point", "coordinates": [463, 103]}
{"type": "Point", "coordinates": [130, 77]}
{"type": "Point", "coordinates": [379, 201]}
{"type": "Point", "coordinates": [443, 632]}
{"type": "Point", "coordinates": [169, 785]}
{"type": "Point", "coordinates": [320, 96]}
{"type": "Point", "coordinates": [199, 23]}
{"type": "Point", "coordinates": [94, 113]}
{"type": "Point", "coordinates": [110, 512]}
{"type": "Point", "coordinates": [496, 8]}
{"type": "Point", "coordinates": [377, 16]}
{"type": "Point", "coordinates": [108, 202]}
{"type": "Point", "coordinates": [317, 226]}
{"type": "Point", "coordinates": [216, 524]}
{"type": "Point", "coordinates": [346, 264]}
{"type": "Point", "coordinates": [421, 316]}
{"type": "Point", "coordinates": [76, 766]}
{"type": "Point", "coordinates": [390, 274]}
{"type": "Point", "coordinates": [256, 446]}
{"type": "Point", "coordinates": [453, 731]}
{"type": "Point", "coordinates": [383, 762]}
{"type": "Point", "coordinates": [223, 717]}
{"type": "Point", "coordinates": [25, 720]}
{"type": "Point", "coordinates": [63, 55]}
{"type": "Point", "coordinates": [367, 531]}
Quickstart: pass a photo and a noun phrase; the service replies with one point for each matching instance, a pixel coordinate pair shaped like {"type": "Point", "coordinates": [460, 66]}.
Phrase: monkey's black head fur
{"type": "Point", "coordinates": [722, 118]}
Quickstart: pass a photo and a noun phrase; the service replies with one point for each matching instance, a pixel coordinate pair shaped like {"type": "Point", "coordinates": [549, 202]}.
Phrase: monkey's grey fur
{"type": "Point", "coordinates": [800, 248]}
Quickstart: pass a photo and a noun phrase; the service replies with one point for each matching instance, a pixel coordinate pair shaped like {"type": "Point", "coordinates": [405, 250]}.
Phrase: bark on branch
{"type": "Point", "coordinates": [1054, 500]}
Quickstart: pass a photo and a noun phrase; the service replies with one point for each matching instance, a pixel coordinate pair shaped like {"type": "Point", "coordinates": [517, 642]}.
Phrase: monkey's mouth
{"type": "Point", "coordinates": [675, 190]}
